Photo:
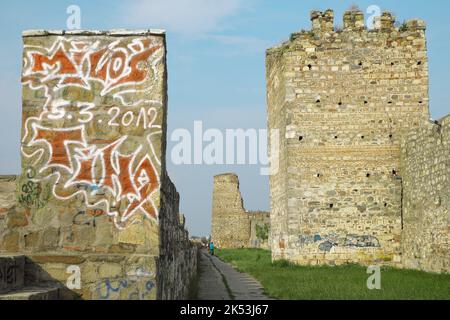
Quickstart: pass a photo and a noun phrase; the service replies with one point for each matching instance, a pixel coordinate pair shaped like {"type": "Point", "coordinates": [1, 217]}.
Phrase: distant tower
{"type": "Point", "coordinates": [342, 100]}
{"type": "Point", "coordinates": [230, 221]}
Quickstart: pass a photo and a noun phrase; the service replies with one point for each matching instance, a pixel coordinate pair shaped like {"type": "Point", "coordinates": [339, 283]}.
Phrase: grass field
{"type": "Point", "coordinates": [283, 280]}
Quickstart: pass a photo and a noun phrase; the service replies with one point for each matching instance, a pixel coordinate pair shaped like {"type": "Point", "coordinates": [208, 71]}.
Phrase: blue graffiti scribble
{"type": "Point", "coordinates": [110, 288]}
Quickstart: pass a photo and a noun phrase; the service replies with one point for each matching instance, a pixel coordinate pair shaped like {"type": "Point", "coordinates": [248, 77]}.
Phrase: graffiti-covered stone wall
{"type": "Point", "coordinates": [232, 225]}
{"type": "Point", "coordinates": [93, 160]}
{"type": "Point", "coordinates": [426, 198]}
{"type": "Point", "coordinates": [342, 100]}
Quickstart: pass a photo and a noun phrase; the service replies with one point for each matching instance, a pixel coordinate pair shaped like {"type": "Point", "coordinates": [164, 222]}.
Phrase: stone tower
{"type": "Point", "coordinates": [230, 221]}
{"type": "Point", "coordinates": [343, 100]}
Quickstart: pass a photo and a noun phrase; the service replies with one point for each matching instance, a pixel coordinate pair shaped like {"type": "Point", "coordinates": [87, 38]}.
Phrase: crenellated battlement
{"type": "Point", "coordinates": [384, 29]}
{"type": "Point", "coordinates": [322, 21]}
{"type": "Point", "coordinates": [355, 20]}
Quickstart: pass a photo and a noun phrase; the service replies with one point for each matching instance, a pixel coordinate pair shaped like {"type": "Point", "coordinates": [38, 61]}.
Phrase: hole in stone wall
{"type": "Point", "coordinates": [419, 63]}
{"type": "Point", "coordinates": [392, 63]}
{"type": "Point", "coordinates": [300, 138]}
{"type": "Point", "coordinates": [318, 101]}
{"type": "Point", "coordinates": [366, 102]}
{"type": "Point", "coordinates": [394, 172]}
{"type": "Point", "coordinates": [319, 175]}
{"type": "Point", "coordinates": [385, 204]}
{"type": "Point", "coordinates": [309, 66]}
{"type": "Point", "coordinates": [360, 64]}
{"type": "Point", "coordinates": [368, 175]}
{"type": "Point", "coordinates": [340, 103]}
{"type": "Point", "coordinates": [390, 136]}
{"type": "Point", "coordinates": [335, 137]}
{"type": "Point", "coordinates": [390, 102]}
{"type": "Point", "coordinates": [331, 205]}
{"type": "Point", "coordinates": [362, 137]}
{"type": "Point", "coordinates": [420, 102]}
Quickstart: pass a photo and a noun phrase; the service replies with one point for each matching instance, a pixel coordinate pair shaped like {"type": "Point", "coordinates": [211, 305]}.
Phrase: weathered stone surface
{"type": "Point", "coordinates": [177, 264]}
{"type": "Point", "coordinates": [12, 272]}
{"type": "Point", "coordinates": [10, 241]}
{"type": "Point", "coordinates": [16, 219]}
{"type": "Point", "coordinates": [65, 259]}
{"type": "Point", "coordinates": [7, 193]}
{"type": "Point", "coordinates": [426, 198]}
{"type": "Point", "coordinates": [232, 225]}
{"type": "Point", "coordinates": [51, 293]}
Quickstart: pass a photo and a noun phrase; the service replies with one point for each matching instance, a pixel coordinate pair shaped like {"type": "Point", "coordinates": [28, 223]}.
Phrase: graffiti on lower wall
{"type": "Point", "coordinates": [138, 285]}
{"type": "Point", "coordinates": [117, 174]}
{"type": "Point", "coordinates": [327, 242]}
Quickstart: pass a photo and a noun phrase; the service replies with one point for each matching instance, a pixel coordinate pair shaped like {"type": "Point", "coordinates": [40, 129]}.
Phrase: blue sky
{"type": "Point", "coordinates": [216, 69]}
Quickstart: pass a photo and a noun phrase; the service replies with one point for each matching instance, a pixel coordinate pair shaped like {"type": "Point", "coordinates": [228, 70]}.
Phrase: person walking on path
{"type": "Point", "coordinates": [211, 248]}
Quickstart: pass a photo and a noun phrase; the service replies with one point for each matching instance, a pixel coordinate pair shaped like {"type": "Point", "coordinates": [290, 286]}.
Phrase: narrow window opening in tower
{"type": "Point", "coordinates": [318, 175]}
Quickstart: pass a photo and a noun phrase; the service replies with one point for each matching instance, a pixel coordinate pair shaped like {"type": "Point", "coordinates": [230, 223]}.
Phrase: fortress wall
{"type": "Point", "coordinates": [259, 229]}
{"type": "Point", "coordinates": [346, 98]}
{"type": "Point", "coordinates": [426, 198]}
{"type": "Point", "coordinates": [177, 263]}
{"type": "Point", "coordinates": [93, 164]}
{"type": "Point", "coordinates": [276, 120]}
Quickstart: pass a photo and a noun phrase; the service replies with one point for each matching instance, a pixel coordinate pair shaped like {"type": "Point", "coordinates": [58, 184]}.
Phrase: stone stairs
{"type": "Point", "coordinates": [14, 284]}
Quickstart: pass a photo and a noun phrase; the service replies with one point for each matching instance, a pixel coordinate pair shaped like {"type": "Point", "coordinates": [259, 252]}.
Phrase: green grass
{"type": "Point", "coordinates": [283, 280]}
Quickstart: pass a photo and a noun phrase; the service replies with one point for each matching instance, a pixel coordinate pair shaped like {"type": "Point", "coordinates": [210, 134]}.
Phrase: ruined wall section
{"type": "Point", "coordinates": [177, 264]}
{"type": "Point", "coordinates": [232, 225]}
{"type": "Point", "coordinates": [349, 98]}
{"type": "Point", "coordinates": [230, 221]}
{"type": "Point", "coordinates": [426, 198]}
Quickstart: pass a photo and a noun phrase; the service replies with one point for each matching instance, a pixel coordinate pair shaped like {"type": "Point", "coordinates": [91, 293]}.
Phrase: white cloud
{"type": "Point", "coordinates": [182, 16]}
